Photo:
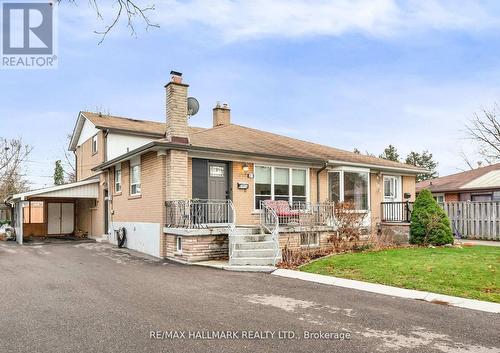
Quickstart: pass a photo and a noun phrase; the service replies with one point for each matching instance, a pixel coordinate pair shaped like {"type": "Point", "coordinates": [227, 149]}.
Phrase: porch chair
{"type": "Point", "coordinates": [285, 214]}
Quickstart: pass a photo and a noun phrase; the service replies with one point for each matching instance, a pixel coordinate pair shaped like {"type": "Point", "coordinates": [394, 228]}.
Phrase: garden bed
{"type": "Point", "coordinates": [470, 272]}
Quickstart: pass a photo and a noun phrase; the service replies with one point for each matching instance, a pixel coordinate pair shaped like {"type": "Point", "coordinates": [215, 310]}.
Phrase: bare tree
{"type": "Point", "coordinates": [13, 153]}
{"type": "Point", "coordinates": [69, 165]}
{"type": "Point", "coordinates": [126, 8]}
{"type": "Point", "coordinates": [484, 129]}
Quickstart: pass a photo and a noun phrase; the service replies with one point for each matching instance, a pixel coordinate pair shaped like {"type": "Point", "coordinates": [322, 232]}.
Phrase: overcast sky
{"type": "Point", "coordinates": [348, 74]}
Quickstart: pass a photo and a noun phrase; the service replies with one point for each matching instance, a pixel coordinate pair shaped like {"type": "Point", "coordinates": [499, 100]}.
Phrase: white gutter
{"type": "Point", "coordinates": [377, 166]}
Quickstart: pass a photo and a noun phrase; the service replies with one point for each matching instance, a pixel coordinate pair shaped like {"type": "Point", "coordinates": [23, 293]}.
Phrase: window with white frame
{"type": "Point", "coordinates": [135, 177]}
{"type": "Point", "coordinates": [280, 183]}
{"type": "Point", "coordinates": [439, 198]}
{"type": "Point", "coordinates": [309, 239]}
{"type": "Point", "coordinates": [392, 188]}
{"type": "Point", "coordinates": [118, 178]}
{"type": "Point", "coordinates": [349, 186]}
{"type": "Point", "coordinates": [94, 144]}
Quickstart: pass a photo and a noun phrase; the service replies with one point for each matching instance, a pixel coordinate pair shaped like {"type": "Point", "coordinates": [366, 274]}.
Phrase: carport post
{"type": "Point", "coordinates": [20, 220]}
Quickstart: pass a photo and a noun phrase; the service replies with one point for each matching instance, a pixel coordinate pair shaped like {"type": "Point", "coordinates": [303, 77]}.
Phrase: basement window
{"type": "Point", "coordinates": [309, 239]}
{"type": "Point", "coordinates": [178, 245]}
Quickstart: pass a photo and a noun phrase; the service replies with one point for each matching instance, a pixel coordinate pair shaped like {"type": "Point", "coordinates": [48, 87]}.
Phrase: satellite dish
{"type": "Point", "coordinates": [193, 106]}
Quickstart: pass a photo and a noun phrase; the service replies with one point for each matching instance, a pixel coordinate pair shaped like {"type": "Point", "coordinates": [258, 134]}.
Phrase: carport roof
{"type": "Point", "coordinates": [86, 189]}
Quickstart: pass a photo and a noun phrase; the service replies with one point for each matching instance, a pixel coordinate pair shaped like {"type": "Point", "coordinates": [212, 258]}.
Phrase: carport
{"type": "Point", "coordinates": [56, 211]}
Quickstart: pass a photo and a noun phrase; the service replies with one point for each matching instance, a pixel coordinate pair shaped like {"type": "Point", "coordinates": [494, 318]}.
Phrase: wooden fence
{"type": "Point", "coordinates": [474, 220]}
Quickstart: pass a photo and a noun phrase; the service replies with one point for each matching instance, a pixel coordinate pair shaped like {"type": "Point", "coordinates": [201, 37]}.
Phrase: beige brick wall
{"type": "Point", "coordinates": [243, 199]}
{"type": "Point", "coordinates": [197, 248]}
{"type": "Point", "coordinates": [409, 186]}
{"type": "Point", "coordinates": [149, 206]}
{"type": "Point", "coordinates": [177, 175]}
{"type": "Point", "coordinates": [86, 160]}
{"type": "Point", "coordinates": [176, 108]}
{"type": "Point", "coordinates": [323, 185]}
{"type": "Point", "coordinates": [376, 192]}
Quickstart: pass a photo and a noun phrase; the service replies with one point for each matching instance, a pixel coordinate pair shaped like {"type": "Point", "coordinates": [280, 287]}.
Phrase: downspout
{"type": "Point", "coordinates": [317, 181]}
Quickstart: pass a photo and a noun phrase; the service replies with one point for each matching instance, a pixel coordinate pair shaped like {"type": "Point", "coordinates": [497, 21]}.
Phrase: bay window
{"type": "Point", "coordinates": [279, 183]}
{"type": "Point", "coordinates": [349, 186]}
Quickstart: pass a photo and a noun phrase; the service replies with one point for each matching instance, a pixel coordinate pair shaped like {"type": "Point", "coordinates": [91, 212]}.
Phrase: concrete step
{"type": "Point", "coordinates": [252, 261]}
{"type": "Point", "coordinates": [267, 244]}
{"type": "Point", "coordinates": [247, 231]}
{"type": "Point", "coordinates": [260, 253]}
{"type": "Point", "coordinates": [239, 238]}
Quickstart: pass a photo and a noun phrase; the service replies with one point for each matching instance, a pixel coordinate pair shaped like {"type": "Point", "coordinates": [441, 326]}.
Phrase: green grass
{"type": "Point", "coordinates": [470, 272]}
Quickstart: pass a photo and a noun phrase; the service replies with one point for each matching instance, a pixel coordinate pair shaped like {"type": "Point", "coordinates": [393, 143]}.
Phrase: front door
{"type": "Point", "coordinates": [218, 181]}
{"type": "Point", "coordinates": [218, 189]}
{"type": "Point", "coordinates": [392, 188]}
{"type": "Point", "coordinates": [393, 209]}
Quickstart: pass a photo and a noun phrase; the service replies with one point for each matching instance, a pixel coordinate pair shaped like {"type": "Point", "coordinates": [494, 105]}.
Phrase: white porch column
{"type": "Point", "coordinates": [20, 222]}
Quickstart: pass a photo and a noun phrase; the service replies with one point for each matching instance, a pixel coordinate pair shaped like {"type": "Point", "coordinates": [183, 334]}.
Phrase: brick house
{"type": "Point", "coordinates": [194, 194]}
{"type": "Point", "coordinates": [480, 184]}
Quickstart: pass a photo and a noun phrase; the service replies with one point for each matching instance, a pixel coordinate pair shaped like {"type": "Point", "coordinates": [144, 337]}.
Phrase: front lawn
{"type": "Point", "coordinates": [470, 272]}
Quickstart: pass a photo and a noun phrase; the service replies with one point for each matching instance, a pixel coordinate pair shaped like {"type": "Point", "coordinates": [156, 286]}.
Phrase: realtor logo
{"type": "Point", "coordinates": [28, 35]}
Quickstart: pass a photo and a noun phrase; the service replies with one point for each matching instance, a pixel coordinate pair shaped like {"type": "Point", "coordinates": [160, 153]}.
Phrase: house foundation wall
{"type": "Point", "coordinates": [197, 248]}
{"type": "Point", "coordinates": [395, 233]}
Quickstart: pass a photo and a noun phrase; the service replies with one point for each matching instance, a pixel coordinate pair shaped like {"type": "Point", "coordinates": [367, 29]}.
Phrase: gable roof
{"type": "Point", "coordinates": [480, 178]}
{"type": "Point", "coordinates": [120, 124]}
{"type": "Point", "coordinates": [239, 138]}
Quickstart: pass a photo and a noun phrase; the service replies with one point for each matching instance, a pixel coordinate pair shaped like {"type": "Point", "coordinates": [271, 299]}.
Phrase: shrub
{"type": "Point", "coordinates": [429, 223]}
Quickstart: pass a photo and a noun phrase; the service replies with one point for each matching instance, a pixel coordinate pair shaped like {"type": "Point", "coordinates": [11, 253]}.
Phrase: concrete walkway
{"type": "Point", "coordinates": [480, 242]}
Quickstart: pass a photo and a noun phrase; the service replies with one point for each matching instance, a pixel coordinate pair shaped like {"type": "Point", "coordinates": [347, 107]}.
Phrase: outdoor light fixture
{"type": "Point", "coordinates": [246, 168]}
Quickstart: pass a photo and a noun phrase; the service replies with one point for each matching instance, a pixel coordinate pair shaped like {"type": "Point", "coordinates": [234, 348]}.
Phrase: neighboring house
{"type": "Point", "coordinates": [180, 190]}
{"type": "Point", "coordinates": [481, 184]}
{"type": "Point", "coordinates": [5, 212]}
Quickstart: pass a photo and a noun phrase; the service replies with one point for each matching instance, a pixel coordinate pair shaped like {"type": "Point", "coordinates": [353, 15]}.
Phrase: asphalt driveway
{"type": "Point", "coordinates": [95, 298]}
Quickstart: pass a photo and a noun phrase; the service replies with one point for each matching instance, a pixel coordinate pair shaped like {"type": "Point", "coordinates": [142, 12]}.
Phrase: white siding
{"type": "Point", "coordinates": [89, 191]}
{"type": "Point", "coordinates": [88, 131]}
{"type": "Point", "coordinates": [118, 144]}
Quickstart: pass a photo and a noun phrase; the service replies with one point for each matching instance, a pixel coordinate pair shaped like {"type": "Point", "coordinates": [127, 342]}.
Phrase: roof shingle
{"type": "Point", "coordinates": [238, 138]}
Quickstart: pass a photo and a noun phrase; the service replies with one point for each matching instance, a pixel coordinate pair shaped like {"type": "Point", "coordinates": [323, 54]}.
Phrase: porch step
{"type": "Point", "coordinates": [256, 253]}
{"type": "Point", "coordinates": [253, 245]}
{"type": "Point", "coordinates": [247, 231]}
{"type": "Point", "coordinates": [245, 238]}
{"type": "Point", "coordinates": [252, 261]}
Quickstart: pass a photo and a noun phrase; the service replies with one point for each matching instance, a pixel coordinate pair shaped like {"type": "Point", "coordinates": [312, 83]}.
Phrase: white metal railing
{"type": "Point", "coordinates": [269, 223]}
{"type": "Point", "coordinates": [199, 213]}
{"type": "Point", "coordinates": [231, 229]}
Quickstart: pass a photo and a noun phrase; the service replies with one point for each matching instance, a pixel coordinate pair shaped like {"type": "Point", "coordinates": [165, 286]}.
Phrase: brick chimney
{"type": "Point", "coordinates": [222, 114]}
{"type": "Point", "coordinates": [177, 114]}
